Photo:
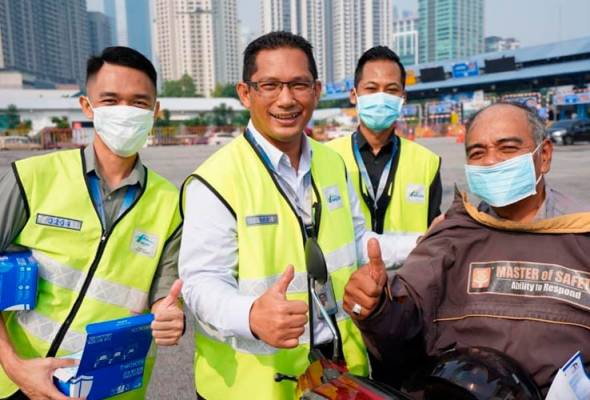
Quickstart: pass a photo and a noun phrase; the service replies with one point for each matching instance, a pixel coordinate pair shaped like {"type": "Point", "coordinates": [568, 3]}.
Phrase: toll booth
{"type": "Point", "coordinates": [572, 105]}
{"type": "Point", "coordinates": [438, 116]}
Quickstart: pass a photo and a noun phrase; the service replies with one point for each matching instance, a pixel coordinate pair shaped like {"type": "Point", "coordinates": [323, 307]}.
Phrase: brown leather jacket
{"type": "Point", "coordinates": [523, 289]}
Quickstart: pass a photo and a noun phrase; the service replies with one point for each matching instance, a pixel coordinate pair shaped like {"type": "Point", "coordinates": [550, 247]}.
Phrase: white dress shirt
{"type": "Point", "coordinates": [208, 260]}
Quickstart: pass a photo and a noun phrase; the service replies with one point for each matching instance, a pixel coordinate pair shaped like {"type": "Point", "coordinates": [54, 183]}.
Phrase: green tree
{"type": "Point", "coordinates": [12, 116]}
{"type": "Point", "coordinates": [228, 90]}
{"type": "Point", "coordinates": [164, 119]}
{"type": "Point", "coordinates": [60, 122]}
{"type": "Point", "coordinates": [241, 118]}
{"type": "Point", "coordinates": [199, 120]}
{"type": "Point", "coordinates": [184, 87]}
{"type": "Point", "coordinates": [222, 115]}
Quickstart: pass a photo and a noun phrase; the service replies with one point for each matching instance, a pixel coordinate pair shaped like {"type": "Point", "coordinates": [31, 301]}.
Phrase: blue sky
{"type": "Point", "coordinates": [530, 21]}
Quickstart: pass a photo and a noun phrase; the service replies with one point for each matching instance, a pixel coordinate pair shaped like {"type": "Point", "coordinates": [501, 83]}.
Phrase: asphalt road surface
{"type": "Point", "coordinates": [173, 375]}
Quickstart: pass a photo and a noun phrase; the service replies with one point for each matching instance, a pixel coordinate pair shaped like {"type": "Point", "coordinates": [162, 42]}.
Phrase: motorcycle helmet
{"type": "Point", "coordinates": [478, 373]}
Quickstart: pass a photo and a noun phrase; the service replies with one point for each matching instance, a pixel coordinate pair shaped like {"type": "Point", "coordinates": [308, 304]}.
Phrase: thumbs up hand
{"type": "Point", "coordinates": [274, 319]}
{"type": "Point", "coordinates": [364, 289]}
{"type": "Point", "coordinates": [168, 323]}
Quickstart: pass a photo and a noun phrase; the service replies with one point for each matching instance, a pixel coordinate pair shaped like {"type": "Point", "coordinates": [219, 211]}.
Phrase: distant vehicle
{"type": "Point", "coordinates": [18, 143]}
{"type": "Point", "coordinates": [569, 131]}
{"type": "Point", "coordinates": [221, 138]}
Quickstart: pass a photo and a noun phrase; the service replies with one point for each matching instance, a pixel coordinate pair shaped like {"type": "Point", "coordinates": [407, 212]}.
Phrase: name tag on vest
{"type": "Point", "coordinates": [267, 219]}
{"type": "Point", "coordinates": [59, 222]}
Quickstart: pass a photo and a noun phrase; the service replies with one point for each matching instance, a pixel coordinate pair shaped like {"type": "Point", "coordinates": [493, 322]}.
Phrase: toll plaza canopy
{"type": "Point", "coordinates": [528, 68]}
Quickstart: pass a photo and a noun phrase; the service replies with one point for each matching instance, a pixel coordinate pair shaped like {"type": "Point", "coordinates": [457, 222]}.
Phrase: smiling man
{"type": "Point", "coordinates": [493, 277]}
{"type": "Point", "coordinates": [248, 211]}
{"type": "Point", "coordinates": [104, 228]}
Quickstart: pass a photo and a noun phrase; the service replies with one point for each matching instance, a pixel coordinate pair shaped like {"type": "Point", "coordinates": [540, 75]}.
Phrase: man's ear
{"type": "Point", "coordinates": [244, 94]}
{"type": "Point", "coordinates": [86, 108]}
{"type": "Point", "coordinates": [546, 156]}
{"type": "Point", "coordinates": [156, 110]}
{"type": "Point", "coordinates": [317, 91]}
{"type": "Point", "coordinates": [352, 96]}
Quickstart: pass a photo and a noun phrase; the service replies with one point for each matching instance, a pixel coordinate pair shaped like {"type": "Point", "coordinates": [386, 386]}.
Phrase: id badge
{"type": "Point", "coordinates": [325, 293]}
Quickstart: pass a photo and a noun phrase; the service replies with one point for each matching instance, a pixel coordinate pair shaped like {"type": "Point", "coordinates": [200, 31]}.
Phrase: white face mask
{"type": "Point", "coordinates": [124, 129]}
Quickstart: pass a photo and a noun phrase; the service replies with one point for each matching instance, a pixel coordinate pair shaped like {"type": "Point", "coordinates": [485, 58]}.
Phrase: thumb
{"type": "Point", "coordinates": [282, 284]}
{"type": "Point", "coordinates": [376, 266]}
{"type": "Point", "coordinates": [173, 294]}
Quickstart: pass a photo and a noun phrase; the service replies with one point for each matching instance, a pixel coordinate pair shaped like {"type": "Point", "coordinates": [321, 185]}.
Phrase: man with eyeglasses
{"type": "Point", "coordinates": [249, 210]}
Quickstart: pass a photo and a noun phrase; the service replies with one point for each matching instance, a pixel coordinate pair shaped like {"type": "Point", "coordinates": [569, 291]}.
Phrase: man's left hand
{"type": "Point", "coordinates": [168, 323]}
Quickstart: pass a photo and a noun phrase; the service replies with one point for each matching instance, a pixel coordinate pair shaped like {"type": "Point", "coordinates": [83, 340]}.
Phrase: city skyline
{"type": "Point", "coordinates": [532, 22]}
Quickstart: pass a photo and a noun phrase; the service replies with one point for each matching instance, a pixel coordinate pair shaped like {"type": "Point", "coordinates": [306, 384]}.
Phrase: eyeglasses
{"type": "Point", "coordinates": [272, 89]}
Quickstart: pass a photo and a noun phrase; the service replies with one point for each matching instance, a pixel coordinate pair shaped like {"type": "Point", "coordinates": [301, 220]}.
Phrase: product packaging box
{"type": "Point", "coordinates": [19, 273]}
{"type": "Point", "coordinates": [112, 361]}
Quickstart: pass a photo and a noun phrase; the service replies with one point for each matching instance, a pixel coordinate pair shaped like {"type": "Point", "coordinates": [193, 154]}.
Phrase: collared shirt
{"type": "Point", "coordinates": [295, 184]}
{"type": "Point", "coordinates": [208, 260]}
{"type": "Point", "coordinates": [113, 197]}
{"type": "Point", "coordinates": [375, 164]}
{"type": "Point", "coordinates": [14, 217]}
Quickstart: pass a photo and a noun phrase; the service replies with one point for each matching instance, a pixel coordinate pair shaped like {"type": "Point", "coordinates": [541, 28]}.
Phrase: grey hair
{"type": "Point", "coordinates": [536, 124]}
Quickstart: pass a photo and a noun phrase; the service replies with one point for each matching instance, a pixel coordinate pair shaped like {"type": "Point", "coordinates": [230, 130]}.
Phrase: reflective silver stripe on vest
{"type": "Point", "coordinates": [45, 329]}
{"type": "Point", "coordinates": [343, 257]}
{"type": "Point", "coordinates": [252, 346]}
{"type": "Point", "coordinates": [67, 277]}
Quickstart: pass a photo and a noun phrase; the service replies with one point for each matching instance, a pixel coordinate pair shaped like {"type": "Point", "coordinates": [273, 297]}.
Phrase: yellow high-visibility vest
{"type": "Point", "coordinates": [86, 275]}
{"type": "Point", "coordinates": [271, 236]}
{"type": "Point", "coordinates": [407, 210]}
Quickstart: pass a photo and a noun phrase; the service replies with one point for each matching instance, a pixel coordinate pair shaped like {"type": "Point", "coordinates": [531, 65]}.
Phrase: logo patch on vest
{"type": "Point", "coordinates": [415, 193]}
{"type": "Point", "coordinates": [332, 194]}
{"type": "Point", "coordinates": [144, 243]}
{"type": "Point", "coordinates": [59, 222]}
{"type": "Point", "coordinates": [530, 279]}
{"type": "Point", "coordinates": [267, 219]}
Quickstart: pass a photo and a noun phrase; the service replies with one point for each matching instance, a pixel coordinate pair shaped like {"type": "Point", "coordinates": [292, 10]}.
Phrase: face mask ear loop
{"type": "Point", "coordinates": [89, 103]}
{"type": "Point", "coordinates": [533, 156]}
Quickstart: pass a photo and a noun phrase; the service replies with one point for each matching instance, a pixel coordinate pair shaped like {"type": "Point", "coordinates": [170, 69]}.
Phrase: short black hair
{"type": "Point", "coordinates": [378, 53]}
{"type": "Point", "coordinates": [272, 41]}
{"type": "Point", "coordinates": [124, 56]}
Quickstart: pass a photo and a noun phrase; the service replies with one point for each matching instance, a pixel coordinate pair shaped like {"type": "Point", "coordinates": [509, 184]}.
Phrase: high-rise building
{"type": "Point", "coordinates": [276, 15]}
{"type": "Point", "coordinates": [131, 23]}
{"type": "Point", "coordinates": [497, 43]}
{"type": "Point", "coordinates": [47, 40]}
{"type": "Point", "coordinates": [450, 29]}
{"type": "Point", "coordinates": [188, 41]}
{"type": "Point", "coordinates": [99, 29]}
{"type": "Point", "coordinates": [405, 38]}
{"type": "Point", "coordinates": [338, 30]}
{"type": "Point", "coordinates": [139, 33]}
{"type": "Point", "coordinates": [226, 41]}
{"type": "Point", "coordinates": [110, 10]}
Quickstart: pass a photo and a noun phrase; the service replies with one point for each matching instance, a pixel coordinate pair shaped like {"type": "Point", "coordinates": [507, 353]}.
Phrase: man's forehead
{"type": "Point", "coordinates": [112, 78]}
{"type": "Point", "coordinates": [272, 61]}
{"type": "Point", "coordinates": [381, 69]}
{"type": "Point", "coordinates": [499, 121]}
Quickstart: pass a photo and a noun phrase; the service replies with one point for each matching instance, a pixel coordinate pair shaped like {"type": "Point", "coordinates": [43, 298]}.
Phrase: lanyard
{"type": "Point", "coordinates": [98, 202]}
{"type": "Point", "coordinates": [311, 229]}
{"type": "Point", "coordinates": [375, 195]}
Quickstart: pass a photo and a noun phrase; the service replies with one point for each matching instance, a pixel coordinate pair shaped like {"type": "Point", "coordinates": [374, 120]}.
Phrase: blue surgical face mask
{"type": "Point", "coordinates": [379, 111]}
{"type": "Point", "coordinates": [506, 182]}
